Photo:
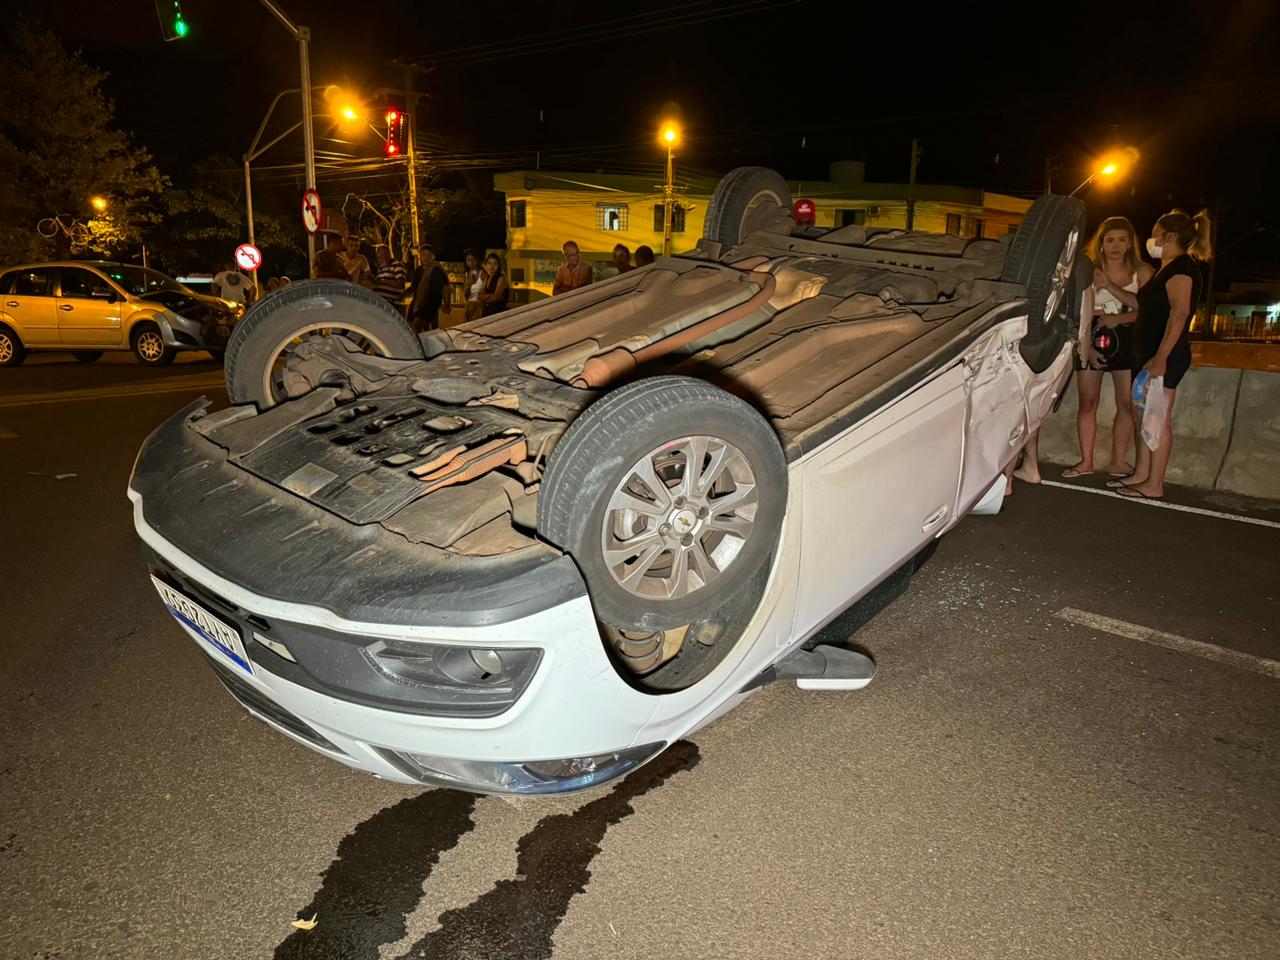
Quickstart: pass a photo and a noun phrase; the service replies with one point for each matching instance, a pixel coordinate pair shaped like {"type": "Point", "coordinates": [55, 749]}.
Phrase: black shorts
{"type": "Point", "coordinates": [1175, 369]}
{"type": "Point", "coordinates": [1122, 356]}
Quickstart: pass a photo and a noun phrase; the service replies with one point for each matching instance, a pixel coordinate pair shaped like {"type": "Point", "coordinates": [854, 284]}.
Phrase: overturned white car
{"type": "Point", "coordinates": [525, 554]}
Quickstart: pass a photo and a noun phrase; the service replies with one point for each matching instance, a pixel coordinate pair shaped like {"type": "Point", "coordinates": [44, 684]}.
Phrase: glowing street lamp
{"type": "Point", "coordinates": [1111, 166]}
{"type": "Point", "coordinates": [669, 136]}
{"type": "Point", "coordinates": [350, 113]}
{"type": "Point", "coordinates": [98, 203]}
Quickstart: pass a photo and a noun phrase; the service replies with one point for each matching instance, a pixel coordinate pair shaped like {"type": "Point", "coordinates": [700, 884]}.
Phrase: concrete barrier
{"type": "Point", "coordinates": [1226, 428]}
{"type": "Point", "coordinates": [1252, 464]}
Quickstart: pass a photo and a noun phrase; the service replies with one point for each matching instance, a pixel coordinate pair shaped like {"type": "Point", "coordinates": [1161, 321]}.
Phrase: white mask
{"type": "Point", "coordinates": [1155, 249]}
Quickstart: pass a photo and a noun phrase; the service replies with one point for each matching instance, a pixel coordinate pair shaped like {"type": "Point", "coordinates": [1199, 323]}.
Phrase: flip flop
{"type": "Point", "coordinates": [1118, 484]}
{"type": "Point", "coordinates": [1133, 493]}
{"type": "Point", "coordinates": [1071, 473]}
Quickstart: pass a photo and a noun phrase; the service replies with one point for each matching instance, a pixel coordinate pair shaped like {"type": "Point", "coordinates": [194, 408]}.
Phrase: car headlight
{"type": "Point", "coordinates": [453, 680]}
{"type": "Point", "coordinates": [529, 777]}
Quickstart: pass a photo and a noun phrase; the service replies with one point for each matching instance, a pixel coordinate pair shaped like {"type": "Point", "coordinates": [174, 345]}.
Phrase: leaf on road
{"type": "Point", "coordinates": [307, 924]}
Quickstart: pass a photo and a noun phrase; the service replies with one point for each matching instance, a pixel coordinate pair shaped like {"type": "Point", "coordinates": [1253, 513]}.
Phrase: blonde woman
{"type": "Point", "coordinates": [1160, 344]}
{"type": "Point", "coordinates": [1119, 273]}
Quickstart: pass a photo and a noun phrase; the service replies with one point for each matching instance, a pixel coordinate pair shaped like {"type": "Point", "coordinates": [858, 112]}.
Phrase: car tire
{"type": "Point", "coordinates": [149, 347]}
{"type": "Point", "coordinates": [745, 200]}
{"type": "Point", "coordinates": [12, 352]}
{"type": "Point", "coordinates": [265, 332]}
{"type": "Point", "coordinates": [1042, 259]}
{"type": "Point", "coordinates": [87, 356]}
{"type": "Point", "coordinates": [655, 427]}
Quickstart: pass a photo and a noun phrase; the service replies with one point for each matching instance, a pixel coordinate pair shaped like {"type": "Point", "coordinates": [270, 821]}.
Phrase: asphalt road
{"type": "Point", "coordinates": [1013, 783]}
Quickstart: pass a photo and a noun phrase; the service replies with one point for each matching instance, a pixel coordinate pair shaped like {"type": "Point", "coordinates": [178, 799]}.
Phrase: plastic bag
{"type": "Point", "coordinates": [1153, 403]}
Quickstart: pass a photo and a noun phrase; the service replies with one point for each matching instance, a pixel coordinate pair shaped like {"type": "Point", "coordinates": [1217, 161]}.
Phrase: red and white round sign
{"type": "Point", "coordinates": [311, 211]}
{"type": "Point", "coordinates": [248, 257]}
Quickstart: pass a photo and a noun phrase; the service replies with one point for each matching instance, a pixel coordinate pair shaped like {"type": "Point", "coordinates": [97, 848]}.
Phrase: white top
{"type": "Point", "coordinates": [1108, 302]}
{"type": "Point", "coordinates": [233, 285]}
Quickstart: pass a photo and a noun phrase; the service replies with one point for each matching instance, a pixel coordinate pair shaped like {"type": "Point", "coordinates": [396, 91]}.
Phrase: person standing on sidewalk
{"type": "Point", "coordinates": [1119, 272]}
{"type": "Point", "coordinates": [430, 292]}
{"type": "Point", "coordinates": [574, 273]}
{"type": "Point", "coordinates": [389, 284]}
{"type": "Point", "coordinates": [1161, 345]}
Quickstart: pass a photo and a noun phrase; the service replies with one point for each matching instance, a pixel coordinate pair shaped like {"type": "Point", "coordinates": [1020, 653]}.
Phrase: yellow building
{"type": "Point", "coordinates": [597, 210]}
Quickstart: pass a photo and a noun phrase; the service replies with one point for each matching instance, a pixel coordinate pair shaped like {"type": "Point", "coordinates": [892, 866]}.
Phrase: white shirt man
{"type": "Point", "coordinates": [231, 284]}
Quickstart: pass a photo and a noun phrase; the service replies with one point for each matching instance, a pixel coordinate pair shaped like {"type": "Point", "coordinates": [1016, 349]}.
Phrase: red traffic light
{"type": "Point", "coordinates": [397, 131]}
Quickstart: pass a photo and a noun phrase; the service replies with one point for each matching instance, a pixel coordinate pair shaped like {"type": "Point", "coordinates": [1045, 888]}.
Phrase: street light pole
{"type": "Point", "coordinates": [303, 36]}
{"type": "Point", "coordinates": [669, 134]}
{"type": "Point", "coordinates": [253, 153]}
{"type": "Point", "coordinates": [670, 202]}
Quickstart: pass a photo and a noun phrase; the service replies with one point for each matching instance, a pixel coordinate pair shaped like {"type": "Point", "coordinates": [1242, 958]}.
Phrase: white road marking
{"type": "Point", "coordinates": [198, 383]}
{"type": "Point", "coordinates": [1165, 505]}
{"type": "Point", "coordinates": [1171, 641]}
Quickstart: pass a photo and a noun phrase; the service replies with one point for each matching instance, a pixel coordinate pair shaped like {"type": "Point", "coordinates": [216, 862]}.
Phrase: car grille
{"type": "Point", "coordinates": [252, 700]}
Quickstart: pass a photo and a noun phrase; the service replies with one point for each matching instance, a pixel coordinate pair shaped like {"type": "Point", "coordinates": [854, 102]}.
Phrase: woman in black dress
{"type": "Point", "coordinates": [1160, 345]}
{"type": "Point", "coordinates": [493, 295]}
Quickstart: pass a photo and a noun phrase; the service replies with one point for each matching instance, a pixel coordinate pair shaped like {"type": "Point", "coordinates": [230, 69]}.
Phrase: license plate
{"type": "Point", "coordinates": [221, 636]}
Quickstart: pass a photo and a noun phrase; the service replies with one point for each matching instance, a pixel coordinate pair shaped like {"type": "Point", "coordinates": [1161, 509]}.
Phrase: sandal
{"type": "Point", "coordinates": [1072, 472]}
{"type": "Point", "coordinates": [1133, 493]}
{"type": "Point", "coordinates": [1120, 483]}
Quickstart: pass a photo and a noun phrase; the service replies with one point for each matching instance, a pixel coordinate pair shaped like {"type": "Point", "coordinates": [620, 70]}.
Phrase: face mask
{"type": "Point", "coordinates": [1155, 249]}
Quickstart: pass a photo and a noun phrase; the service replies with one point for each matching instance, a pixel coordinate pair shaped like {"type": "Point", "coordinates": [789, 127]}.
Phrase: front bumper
{"type": "Point", "coordinates": [211, 332]}
{"type": "Point", "coordinates": [272, 566]}
{"type": "Point", "coordinates": [577, 725]}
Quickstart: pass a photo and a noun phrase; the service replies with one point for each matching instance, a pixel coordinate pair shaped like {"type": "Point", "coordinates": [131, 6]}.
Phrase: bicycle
{"type": "Point", "coordinates": [76, 232]}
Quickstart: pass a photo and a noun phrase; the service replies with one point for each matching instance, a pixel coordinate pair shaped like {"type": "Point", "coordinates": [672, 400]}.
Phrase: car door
{"type": "Point", "coordinates": [32, 304]}
{"type": "Point", "coordinates": [877, 493]}
{"type": "Point", "coordinates": [996, 421]}
{"type": "Point", "coordinates": [88, 310]}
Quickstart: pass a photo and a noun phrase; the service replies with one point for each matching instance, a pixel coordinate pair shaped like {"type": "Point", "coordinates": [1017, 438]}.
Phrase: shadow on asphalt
{"type": "Point", "coordinates": [368, 892]}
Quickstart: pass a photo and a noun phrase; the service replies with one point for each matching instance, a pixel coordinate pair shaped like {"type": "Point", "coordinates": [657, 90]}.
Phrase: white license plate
{"type": "Point", "coordinates": [221, 636]}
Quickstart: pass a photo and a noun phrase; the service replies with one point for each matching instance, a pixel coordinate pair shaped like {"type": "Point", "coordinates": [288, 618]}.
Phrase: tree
{"type": "Point", "coordinates": [203, 223]}
{"type": "Point", "coordinates": [58, 150]}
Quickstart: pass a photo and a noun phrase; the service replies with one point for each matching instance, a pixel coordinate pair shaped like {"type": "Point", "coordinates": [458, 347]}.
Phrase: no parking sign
{"type": "Point", "coordinates": [248, 257]}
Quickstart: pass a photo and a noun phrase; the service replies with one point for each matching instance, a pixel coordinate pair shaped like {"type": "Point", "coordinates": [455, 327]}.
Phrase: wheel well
{"type": "Point", "coordinates": [138, 325]}
{"type": "Point", "coordinates": [12, 332]}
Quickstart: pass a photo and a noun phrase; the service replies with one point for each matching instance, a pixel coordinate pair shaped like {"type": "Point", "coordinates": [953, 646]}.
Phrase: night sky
{"type": "Point", "coordinates": [991, 90]}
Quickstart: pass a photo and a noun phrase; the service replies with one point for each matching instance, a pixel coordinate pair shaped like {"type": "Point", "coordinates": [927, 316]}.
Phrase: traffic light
{"type": "Point", "coordinates": [172, 24]}
{"type": "Point", "coordinates": [397, 128]}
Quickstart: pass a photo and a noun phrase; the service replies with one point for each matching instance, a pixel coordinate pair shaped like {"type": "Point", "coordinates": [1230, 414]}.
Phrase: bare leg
{"type": "Point", "coordinates": [1029, 472]}
{"type": "Point", "coordinates": [1088, 389]}
{"type": "Point", "coordinates": [1008, 478]}
{"type": "Point", "coordinates": [1122, 431]}
{"type": "Point", "coordinates": [1158, 459]}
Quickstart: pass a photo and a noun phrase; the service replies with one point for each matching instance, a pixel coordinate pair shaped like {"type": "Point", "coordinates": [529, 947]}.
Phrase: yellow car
{"type": "Point", "coordinates": [88, 307]}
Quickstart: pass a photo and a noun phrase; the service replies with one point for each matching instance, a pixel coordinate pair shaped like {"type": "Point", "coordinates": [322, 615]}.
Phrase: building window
{"type": "Point", "coordinates": [978, 227]}
{"type": "Point", "coordinates": [851, 218]}
{"type": "Point", "coordinates": [518, 213]}
{"type": "Point", "coordinates": [611, 216]}
{"type": "Point", "coordinates": [660, 220]}
{"type": "Point", "coordinates": [953, 224]}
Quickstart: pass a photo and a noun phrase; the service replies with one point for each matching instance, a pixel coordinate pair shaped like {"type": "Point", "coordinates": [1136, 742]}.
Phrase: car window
{"type": "Point", "coordinates": [34, 283]}
{"type": "Point", "coordinates": [141, 281]}
{"type": "Point", "coordinates": [78, 282]}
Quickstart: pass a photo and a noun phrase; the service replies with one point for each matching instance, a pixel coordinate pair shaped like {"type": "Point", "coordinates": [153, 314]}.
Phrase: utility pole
{"type": "Point", "coordinates": [911, 184]}
{"type": "Point", "coordinates": [411, 104]}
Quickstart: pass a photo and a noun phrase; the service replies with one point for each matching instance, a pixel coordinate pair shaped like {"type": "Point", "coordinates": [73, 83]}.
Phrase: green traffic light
{"type": "Point", "coordinates": [180, 27]}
